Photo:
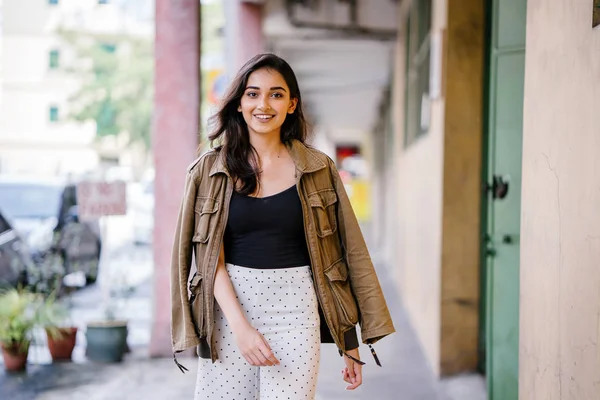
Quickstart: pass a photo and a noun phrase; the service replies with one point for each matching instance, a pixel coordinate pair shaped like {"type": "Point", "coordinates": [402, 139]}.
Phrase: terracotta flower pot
{"type": "Point", "coordinates": [15, 356]}
{"type": "Point", "coordinates": [61, 347]}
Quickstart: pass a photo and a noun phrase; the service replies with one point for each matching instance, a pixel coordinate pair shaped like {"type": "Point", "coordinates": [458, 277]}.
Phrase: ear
{"type": "Point", "coordinates": [292, 107]}
{"type": "Point", "coordinates": [239, 108]}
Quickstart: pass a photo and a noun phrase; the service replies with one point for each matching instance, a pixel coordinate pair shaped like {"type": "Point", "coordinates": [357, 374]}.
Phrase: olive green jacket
{"type": "Point", "coordinates": [347, 287]}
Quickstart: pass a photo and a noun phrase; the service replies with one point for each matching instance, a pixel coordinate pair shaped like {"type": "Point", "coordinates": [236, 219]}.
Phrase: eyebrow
{"type": "Point", "coordinates": [273, 88]}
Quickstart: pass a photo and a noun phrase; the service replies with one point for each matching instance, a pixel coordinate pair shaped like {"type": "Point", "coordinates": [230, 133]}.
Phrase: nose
{"type": "Point", "coordinates": [264, 103]}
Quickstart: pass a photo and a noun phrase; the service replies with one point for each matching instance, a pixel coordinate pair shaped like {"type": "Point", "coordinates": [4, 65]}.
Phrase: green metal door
{"type": "Point", "coordinates": [506, 71]}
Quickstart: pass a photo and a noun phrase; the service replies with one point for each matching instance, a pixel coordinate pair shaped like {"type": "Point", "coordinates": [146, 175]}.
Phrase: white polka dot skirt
{"type": "Point", "coordinates": [282, 305]}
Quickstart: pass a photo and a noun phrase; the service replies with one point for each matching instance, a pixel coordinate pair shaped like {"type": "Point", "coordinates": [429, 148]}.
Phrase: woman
{"type": "Point", "coordinates": [276, 244]}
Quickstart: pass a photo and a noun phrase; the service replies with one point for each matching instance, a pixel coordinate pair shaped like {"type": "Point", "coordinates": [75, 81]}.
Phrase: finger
{"type": "Point", "coordinates": [262, 360]}
{"type": "Point", "coordinates": [265, 342]}
{"type": "Point", "coordinates": [259, 353]}
{"type": "Point", "coordinates": [251, 359]}
{"type": "Point", "coordinates": [269, 356]}
{"type": "Point", "coordinates": [351, 374]}
{"type": "Point", "coordinates": [354, 383]}
{"type": "Point", "coordinates": [345, 376]}
{"type": "Point", "coordinates": [358, 376]}
{"type": "Point", "coordinates": [268, 352]}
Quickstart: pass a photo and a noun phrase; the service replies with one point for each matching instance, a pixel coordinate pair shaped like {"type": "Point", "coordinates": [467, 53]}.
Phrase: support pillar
{"type": "Point", "coordinates": [175, 138]}
{"type": "Point", "coordinates": [243, 33]}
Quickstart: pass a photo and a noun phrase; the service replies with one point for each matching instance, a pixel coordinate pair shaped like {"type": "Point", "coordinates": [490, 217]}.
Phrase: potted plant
{"type": "Point", "coordinates": [19, 315]}
{"type": "Point", "coordinates": [107, 338]}
{"type": "Point", "coordinates": [61, 335]}
{"type": "Point", "coordinates": [46, 275]}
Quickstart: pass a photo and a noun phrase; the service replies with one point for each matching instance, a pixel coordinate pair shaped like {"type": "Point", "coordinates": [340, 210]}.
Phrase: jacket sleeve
{"type": "Point", "coordinates": [375, 320]}
{"type": "Point", "coordinates": [183, 332]}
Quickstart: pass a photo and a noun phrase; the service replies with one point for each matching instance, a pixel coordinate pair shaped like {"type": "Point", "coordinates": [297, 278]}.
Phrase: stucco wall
{"type": "Point", "coordinates": [438, 213]}
{"type": "Point", "coordinates": [419, 214]}
{"type": "Point", "coordinates": [419, 247]}
{"type": "Point", "coordinates": [560, 217]}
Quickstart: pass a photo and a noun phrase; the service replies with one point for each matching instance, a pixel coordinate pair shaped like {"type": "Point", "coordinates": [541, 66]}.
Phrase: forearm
{"type": "Point", "coordinates": [225, 296]}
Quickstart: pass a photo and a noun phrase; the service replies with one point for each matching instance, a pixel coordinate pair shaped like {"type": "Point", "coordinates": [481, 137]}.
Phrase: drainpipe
{"type": "Point", "coordinates": [353, 29]}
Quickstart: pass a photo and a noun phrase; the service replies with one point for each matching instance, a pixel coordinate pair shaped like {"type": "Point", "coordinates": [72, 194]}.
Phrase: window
{"type": "Point", "coordinates": [53, 59]}
{"type": "Point", "coordinates": [108, 47]}
{"type": "Point", "coordinates": [418, 48]}
{"type": "Point", "coordinates": [53, 2]}
{"type": "Point", "coordinates": [53, 114]}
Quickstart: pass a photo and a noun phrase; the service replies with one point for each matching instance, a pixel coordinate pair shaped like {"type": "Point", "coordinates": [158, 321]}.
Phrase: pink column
{"type": "Point", "coordinates": [250, 37]}
{"type": "Point", "coordinates": [175, 137]}
{"type": "Point", "coordinates": [243, 33]}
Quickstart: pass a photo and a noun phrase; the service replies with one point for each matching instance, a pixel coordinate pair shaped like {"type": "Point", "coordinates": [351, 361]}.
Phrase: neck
{"type": "Point", "coordinates": [267, 146]}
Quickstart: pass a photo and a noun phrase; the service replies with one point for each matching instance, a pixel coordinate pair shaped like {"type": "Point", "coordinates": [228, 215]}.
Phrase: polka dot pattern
{"type": "Point", "coordinates": [282, 305]}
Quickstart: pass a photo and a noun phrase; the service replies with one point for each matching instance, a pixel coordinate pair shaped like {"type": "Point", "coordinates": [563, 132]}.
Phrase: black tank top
{"type": "Point", "coordinates": [266, 232]}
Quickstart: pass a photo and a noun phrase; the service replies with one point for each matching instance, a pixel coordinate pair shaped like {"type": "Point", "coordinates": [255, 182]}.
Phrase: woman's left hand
{"type": "Point", "coordinates": [353, 371]}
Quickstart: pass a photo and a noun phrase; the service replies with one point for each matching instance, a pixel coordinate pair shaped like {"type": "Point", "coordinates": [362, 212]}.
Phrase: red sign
{"type": "Point", "coordinates": [99, 199]}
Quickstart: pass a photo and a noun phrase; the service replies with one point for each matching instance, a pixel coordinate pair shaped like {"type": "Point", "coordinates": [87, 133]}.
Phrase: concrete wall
{"type": "Point", "coordinates": [438, 192]}
{"type": "Point", "coordinates": [560, 216]}
{"type": "Point", "coordinates": [419, 174]}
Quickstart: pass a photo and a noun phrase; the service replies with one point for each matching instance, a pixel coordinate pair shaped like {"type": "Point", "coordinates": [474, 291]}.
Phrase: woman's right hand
{"type": "Point", "coordinates": [254, 346]}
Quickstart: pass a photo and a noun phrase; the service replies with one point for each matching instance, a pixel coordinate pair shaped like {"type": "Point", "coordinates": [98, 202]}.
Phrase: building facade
{"type": "Point", "coordinates": [495, 109]}
{"type": "Point", "coordinates": [35, 134]}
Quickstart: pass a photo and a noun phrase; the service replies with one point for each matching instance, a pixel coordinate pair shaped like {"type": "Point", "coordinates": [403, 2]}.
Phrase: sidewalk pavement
{"type": "Point", "coordinates": [405, 374]}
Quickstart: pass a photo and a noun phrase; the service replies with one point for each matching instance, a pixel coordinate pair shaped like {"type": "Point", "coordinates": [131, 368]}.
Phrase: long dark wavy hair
{"type": "Point", "coordinates": [230, 131]}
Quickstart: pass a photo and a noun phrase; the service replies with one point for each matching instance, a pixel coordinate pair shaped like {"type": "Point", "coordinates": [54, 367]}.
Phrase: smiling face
{"type": "Point", "coordinates": [266, 102]}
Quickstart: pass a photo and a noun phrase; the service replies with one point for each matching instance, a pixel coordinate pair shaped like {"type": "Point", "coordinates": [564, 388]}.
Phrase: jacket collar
{"type": "Point", "coordinates": [304, 157]}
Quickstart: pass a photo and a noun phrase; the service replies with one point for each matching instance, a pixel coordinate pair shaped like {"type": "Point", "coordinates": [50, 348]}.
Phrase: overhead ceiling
{"type": "Point", "coordinates": [342, 79]}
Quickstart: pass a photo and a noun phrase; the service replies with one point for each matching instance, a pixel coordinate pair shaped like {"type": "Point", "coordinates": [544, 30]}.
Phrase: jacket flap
{"type": "Point", "coordinates": [322, 199]}
{"type": "Point", "coordinates": [195, 282]}
{"type": "Point", "coordinates": [337, 271]}
{"type": "Point", "coordinates": [210, 206]}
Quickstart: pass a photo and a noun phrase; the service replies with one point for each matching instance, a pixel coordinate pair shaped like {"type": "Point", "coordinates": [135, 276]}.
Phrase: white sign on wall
{"type": "Point", "coordinates": [100, 199]}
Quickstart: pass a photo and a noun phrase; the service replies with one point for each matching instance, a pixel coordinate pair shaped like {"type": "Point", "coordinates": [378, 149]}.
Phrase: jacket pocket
{"type": "Point", "coordinates": [197, 303]}
{"type": "Point", "coordinates": [323, 207]}
{"type": "Point", "coordinates": [345, 303]}
{"type": "Point", "coordinates": [206, 208]}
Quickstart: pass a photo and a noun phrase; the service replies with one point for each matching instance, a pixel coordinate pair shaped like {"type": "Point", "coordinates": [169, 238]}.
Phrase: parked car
{"type": "Point", "coordinates": [15, 260]}
{"type": "Point", "coordinates": [44, 213]}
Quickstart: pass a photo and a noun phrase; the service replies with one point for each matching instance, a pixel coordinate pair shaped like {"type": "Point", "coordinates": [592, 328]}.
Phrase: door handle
{"type": "Point", "coordinates": [498, 187]}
